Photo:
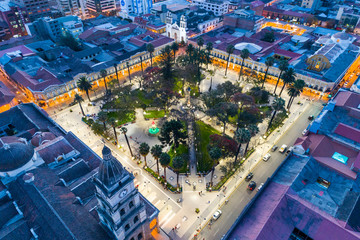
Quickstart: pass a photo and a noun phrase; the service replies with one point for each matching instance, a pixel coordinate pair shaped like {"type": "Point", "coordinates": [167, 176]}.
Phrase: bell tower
{"type": "Point", "coordinates": [182, 29]}
{"type": "Point", "coordinates": [121, 208]}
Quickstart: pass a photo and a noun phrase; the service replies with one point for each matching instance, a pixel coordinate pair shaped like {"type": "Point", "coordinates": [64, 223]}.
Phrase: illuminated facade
{"type": "Point", "coordinates": [175, 31]}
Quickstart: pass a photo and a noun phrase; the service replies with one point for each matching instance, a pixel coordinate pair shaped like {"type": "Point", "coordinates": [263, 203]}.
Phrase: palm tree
{"type": "Point", "coordinates": [144, 151]}
{"type": "Point", "coordinates": [150, 48]}
{"type": "Point", "coordinates": [288, 77]}
{"type": "Point", "coordinates": [295, 90]}
{"type": "Point", "coordinates": [116, 72]}
{"type": "Point", "coordinates": [141, 65]}
{"type": "Point", "coordinates": [156, 152]}
{"type": "Point", "coordinates": [277, 105]}
{"type": "Point", "coordinates": [103, 74]}
{"type": "Point", "coordinates": [215, 154]}
{"type": "Point", "coordinates": [103, 117]}
{"type": "Point", "coordinates": [268, 62]}
{"type": "Point", "coordinates": [253, 129]}
{"type": "Point", "coordinates": [242, 135]}
{"type": "Point", "coordinates": [178, 163]}
{"type": "Point", "coordinates": [128, 67]}
{"type": "Point", "coordinates": [283, 66]}
{"type": "Point", "coordinates": [124, 131]}
{"type": "Point", "coordinates": [165, 161]}
{"type": "Point", "coordinates": [79, 99]}
{"type": "Point", "coordinates": [200, 42]}
{"type": "Point", "coordinates": [85, 86]}
{"type": "Point", "coordinates": [229, 49]}
{"type": "Point", "coordinates": [113, 124]}
{"type": "Point", "coordinates": [174, 48]}
{"type": "Point", "coordinates": [189, 50]}
{"type": "Point", "coordinates": [209, 48]}
{"type": "Point", "coordinates": [244, 55]}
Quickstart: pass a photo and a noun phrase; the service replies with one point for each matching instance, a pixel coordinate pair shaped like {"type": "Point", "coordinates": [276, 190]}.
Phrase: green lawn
{"type": "Point", "coordinates": [123, 117]}
{"type": "Point", "coordinates": [154, 114]}
{"type": "Point", "coordinates": [179, 86]}
{"type": "Point", "coordinates": [182, 150]}
{"type": "Point", "coordinates": [202, 133]}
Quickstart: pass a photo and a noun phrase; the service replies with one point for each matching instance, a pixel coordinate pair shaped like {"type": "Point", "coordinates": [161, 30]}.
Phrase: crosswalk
{"type": "Point", "coordinates": [166, 210]}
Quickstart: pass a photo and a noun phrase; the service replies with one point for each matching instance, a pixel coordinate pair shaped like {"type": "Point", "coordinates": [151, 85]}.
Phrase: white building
{"type": "Point", "coordinates": [135, 7]}
{"type": "Point", "coordinates": [175, 31]}
{"type": "Point", "coordinates": [312, 4]}
{"type": "Point", "coordinates": [216, 6]}
{"type": "Point", "coordinates": [73, 7]}
{"type": "Point", "coordinates": [209, 25]}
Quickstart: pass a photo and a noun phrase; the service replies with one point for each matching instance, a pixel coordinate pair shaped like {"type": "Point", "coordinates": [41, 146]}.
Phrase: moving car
{"type": "Point", "coordinates": [261, 185]}
{"type": "Point", "coordinates": [266, 157]}
{"type": "Point", "coordinates": [217, 214]}
{"type": "Point", "coordinates": [249, 177]}
{"type": "Point", "coordinates": [273, 149]}
{"type": "Point", "coordinates": [252, 186]}
{"type": "Point", "coordinates": [283, 148]}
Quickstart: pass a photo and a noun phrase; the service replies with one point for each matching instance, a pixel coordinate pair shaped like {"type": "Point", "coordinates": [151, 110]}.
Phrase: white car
{"type": "Point", "coordinates": [283, 148]}
{"type": "Point", "coordinates": [304, 132]}
{"type": "Point", "coordinates": [217, 214]}
{"type": "Point", "coordinates": [261, 185]}
{"type": "Point", "coordinates": [266, 157]}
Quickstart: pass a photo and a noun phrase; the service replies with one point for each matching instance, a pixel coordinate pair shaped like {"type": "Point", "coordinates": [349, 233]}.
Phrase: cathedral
{"type": "Point", "coordinates": [175, 31]}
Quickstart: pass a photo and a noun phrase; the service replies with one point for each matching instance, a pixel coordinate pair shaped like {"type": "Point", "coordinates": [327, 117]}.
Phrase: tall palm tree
{"type": "Point", "coordinates": [229, 49]}
{"type": "Point", "coordinates": [178, 163]}
{"type": "Point", "coordinates": [242, 135]}
{"type": "Point", "coordinates": [124, 131]}
{"type": "Point", "coordinates": [215, 154]}
{"type": "Point", "coordinates": [209, 48]}
{"type": "Point", "coordinates": [268, 62]}
{"type": "Point", "coordinates": [165, 161]}
{"type": "Point", "coordinates": [79, 99]}
{"type": "Point", "coordinates": [253, 129]}
{"type": "Point", "coordinates": [278, 104]}
{"type": "Point", "coordinates": [128, 68]}
{"type": "Point", "coordinates": [141, 65]}
{"type": "Point", "coordinates": [150, 48]}
{"type": "Point", "coordinates": [103, 74]}
{"type": "Point", "coordinates": [288, 77]}
{"type": "Point", "coordinates": [200, 42]}
{"type": "Point", "coordinates": [244, 55]}
{"type": "Point", "coordinates": [116, 72]}
{"type": "Point", "coordinates": [103, 117]}
{"type": "Point", "coordinates": [85, 86]}
{"type": "Point", "coordinates": [156, 152]}
{"type": "Point", "coordinates": [144, 151]}
{"type": "Point", "coordinates": [113, 124]}
{"type": "Point", "coordinates": [283, 66]}
{"type": "Point", "coordinates": [295, 90]}
{"type": "Point", "coordinates": [190, 50]}
{"type": "Point", "coordinates": [174, 48]}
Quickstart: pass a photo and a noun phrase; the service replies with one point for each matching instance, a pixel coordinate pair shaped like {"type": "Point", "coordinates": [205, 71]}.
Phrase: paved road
{"type": "Point", "coordinates": [241, 196]}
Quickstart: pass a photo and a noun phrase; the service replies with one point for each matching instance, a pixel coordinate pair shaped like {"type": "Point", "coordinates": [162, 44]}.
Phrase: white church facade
{"type": "Point", "coordinates": [175, 31]}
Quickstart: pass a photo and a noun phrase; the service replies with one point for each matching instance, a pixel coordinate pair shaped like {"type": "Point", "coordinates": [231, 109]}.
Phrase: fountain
{"type": "Point", "coordinates": [153, 130]}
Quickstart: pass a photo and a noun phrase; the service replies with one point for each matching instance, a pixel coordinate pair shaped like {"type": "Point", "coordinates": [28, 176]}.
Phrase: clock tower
{"type": "Point", "coordinates": [122, 210]}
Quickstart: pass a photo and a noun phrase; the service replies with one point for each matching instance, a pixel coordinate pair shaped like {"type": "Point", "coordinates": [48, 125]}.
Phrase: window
{"type": "Point", "coordinates": [127, 227]}
{"type": "Point", "coordinates": [140, 236]}
{"type": "Point", "coordinates": [122, 212]}
{"type": "Point", "coordinates": [136, 219]}
{"type": "Point", "coordinates": [323, 182]}
{"type": "Point", "coordinates": [131, 204]}
{"type": "Point", "coordinates": [299, 235]}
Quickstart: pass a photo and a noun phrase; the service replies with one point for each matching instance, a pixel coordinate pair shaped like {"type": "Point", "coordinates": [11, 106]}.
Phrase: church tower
{"type": "Point", "coordinates": [182, 29]}
{"type": "Point", "coordinates": [122, 210]}
{"type": "Point", "coordinates": [169, 21]}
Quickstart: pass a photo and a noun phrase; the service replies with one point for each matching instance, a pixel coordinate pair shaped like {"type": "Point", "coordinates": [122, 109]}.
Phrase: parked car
{"type": "Point", "coordinates": [283, 148]}
{"type": "Point", "coordinates": [261, 185]}
{"type": "Point", "coordinates": [217, 214]}
{"type": "Point", "coordinates": [252, 185]}
{"type": "Point", "coordinates": [289, 151]}
{"type": "Point", "coordinates": [273, 149]}
{"type": "Point", "coordinates": [266, 157]}
{"type": "Point", "coordinates": [304, 132]}
{"type": "Point", "coordinates": [311, 117]}
{"type": "Point", "coordinates": [249, 177]}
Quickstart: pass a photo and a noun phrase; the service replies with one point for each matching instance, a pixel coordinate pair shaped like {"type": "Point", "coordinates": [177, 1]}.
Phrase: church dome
{"type": "Point", "coordinates": [14, 155]}
{"type": "Point", "coordinates": [42, 137]}
{"type": "Point", "coordinates": [110, 171]}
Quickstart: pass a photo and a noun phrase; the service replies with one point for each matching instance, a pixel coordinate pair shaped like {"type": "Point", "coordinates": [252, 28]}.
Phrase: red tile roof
{"type": "Point", "coordinates": [348, 132]}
